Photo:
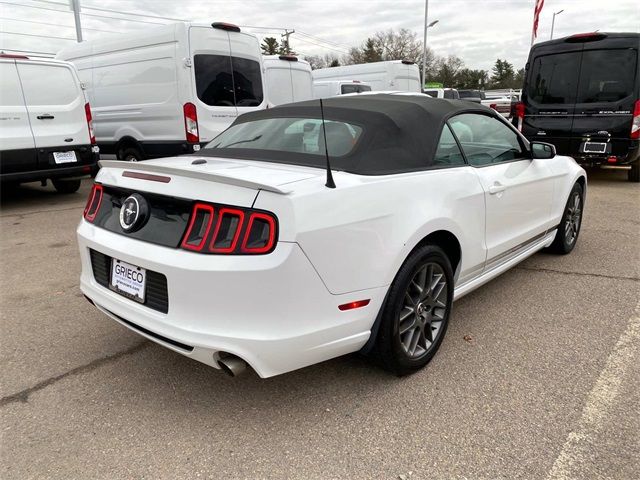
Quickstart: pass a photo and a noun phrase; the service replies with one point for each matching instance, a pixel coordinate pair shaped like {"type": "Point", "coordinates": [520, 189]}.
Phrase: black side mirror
{"type": "Point", "coordinates": [542, 150]}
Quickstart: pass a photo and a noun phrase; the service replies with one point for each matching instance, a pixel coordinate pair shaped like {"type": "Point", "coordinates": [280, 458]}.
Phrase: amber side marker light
{"type": "Point", "coordinates": [353, 305]}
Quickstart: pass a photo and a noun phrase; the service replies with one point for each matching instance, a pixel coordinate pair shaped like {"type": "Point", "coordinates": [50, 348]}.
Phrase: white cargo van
{"type": "Point", "coordinates": [168, 90]}
{"type": "Point", "coordinates": [45, 124]}
{"type": "Point", "coordinates": [288, 79]}
{"type": "Point", "coordinates": [332, 88]}
{"type": "Point", "coordinates": [398, 75]}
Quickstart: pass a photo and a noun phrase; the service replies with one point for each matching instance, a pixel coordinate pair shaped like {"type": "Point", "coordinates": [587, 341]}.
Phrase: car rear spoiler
{"type": "Point", "coordinates": [191, 173]}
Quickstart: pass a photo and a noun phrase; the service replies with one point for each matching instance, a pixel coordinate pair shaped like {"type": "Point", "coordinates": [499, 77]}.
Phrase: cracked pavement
{"type": "Point", "coordinates": [538, 376]}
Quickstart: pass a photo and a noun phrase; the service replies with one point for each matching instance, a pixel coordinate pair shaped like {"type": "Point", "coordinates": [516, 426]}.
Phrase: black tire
{"type": "Point", "coordinates": [66, 186]}
{"type": "Point", "coordinates": [389, 348]}
{"type": "Point", "coordinates": [567, 237]}
{"type": "Point", "coordinates": [130, 154]}
{"type": "Point", "coordinates": [634, 174]}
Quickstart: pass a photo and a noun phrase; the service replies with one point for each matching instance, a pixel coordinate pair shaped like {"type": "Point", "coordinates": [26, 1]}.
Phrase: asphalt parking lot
{"type": "Point", "coordinates": [538, 376]}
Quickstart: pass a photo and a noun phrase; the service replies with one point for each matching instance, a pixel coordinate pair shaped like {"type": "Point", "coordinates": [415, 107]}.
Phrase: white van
{"type": "Point", "coordinates": [45, 124]}
{"type": "Point", "coordinates": [168, 90]}
{"type": "Point", "coordinates": [288, 79]}
{"type": "Point", "coordinates": [332, 88]}
{"type": "Point", "coordinates": [398, 75]}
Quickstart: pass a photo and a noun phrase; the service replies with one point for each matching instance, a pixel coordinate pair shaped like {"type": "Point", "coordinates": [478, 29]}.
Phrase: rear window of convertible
{"type": "Point", "coordinates": [291, 135]}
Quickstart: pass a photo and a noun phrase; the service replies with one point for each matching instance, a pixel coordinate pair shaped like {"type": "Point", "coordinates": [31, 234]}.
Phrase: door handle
{"type": "Point", "coordinates": [46, 116]}
{"type": "Point", "coordinates": [496, 188]}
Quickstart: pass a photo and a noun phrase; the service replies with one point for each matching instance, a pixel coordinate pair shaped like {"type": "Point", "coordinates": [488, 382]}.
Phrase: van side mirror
{"type": "Point", "coordinates": [542, 150]}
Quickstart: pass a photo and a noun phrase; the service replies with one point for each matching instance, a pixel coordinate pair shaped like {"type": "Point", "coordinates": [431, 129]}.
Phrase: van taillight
{"type": "Point", "coordinates": [519, 109]}
{"type": "Point", "coordinates": [191, 123]}
{"type": "Point", "coordinates": [635, 124]}
{"type": "Point", "coordinates": [217, 229]}
{"type": "Point", "coordinates": [87, 112]}
{"type": "Point", "coordinates": [93, 203]}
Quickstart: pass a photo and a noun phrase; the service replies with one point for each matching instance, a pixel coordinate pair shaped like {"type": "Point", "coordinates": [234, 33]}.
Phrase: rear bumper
{"type": "Point", "coordinates": [31, 165]}
{"type": "Point", "coordinates": [273, 311]}
{"type": "Point", "coordinates": [78, 171]}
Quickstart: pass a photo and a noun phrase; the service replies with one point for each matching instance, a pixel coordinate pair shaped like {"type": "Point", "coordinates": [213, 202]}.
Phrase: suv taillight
{"type": "Point", "coordinates": [635, 124]}
{"type": "Point", "coordinates": [224, 230]}
{"type": "Point", "coordinates": [87, 112]}
{"type": "Point", "coordinates": [191, 123]}
{"type": "Point", "coordinates": [93, 203]}
{"type": "Point", "coordinates": [519, 110]}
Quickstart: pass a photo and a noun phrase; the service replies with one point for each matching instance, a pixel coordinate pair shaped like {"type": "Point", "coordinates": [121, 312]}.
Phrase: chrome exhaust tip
{"type": "Point", "coordinates": [232, 365]}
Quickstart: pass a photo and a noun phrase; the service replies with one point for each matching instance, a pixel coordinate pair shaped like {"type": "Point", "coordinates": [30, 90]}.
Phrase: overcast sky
{"type": "Point", "coordinates": [478, 31]}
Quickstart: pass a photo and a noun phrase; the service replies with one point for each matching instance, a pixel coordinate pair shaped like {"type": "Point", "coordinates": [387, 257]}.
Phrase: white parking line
{"type": "Point", "coordinates": [599, 401]}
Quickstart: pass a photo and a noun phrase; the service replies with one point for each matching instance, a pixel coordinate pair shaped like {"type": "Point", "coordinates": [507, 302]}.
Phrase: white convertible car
{"type": "Point", "coordinates": [246, 254]}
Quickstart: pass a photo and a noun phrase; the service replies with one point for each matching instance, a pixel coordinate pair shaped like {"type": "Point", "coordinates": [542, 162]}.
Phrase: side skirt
{"type": "Point", "coordinates": [499, 268]}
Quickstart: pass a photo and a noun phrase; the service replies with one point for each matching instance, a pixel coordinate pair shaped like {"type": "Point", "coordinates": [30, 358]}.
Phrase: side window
{"type": "Point", "coordinates": [485, 140]}
{"type": "Point", "coordinates": [448, 152]}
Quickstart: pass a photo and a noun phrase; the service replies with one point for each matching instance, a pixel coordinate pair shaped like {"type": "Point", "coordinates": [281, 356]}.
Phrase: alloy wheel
{"type": "Point", "coordinates": [573, 219]}
{"type": "Point", "coordinates": [423, 311]}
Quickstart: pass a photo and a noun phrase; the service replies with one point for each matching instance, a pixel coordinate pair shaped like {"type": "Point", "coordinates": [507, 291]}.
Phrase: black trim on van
{"type": "Point", "coordinates": [35, 164]}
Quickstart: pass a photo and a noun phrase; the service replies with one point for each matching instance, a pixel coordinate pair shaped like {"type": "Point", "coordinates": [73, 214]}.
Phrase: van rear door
{"type": "Point", "coordinates": [246, 60]}
{"type": "Point", "coordinates": [607, 91]}
{"type": "Point", "coordinates": [17, 152]}
{"type": "Point", "coordinates": [550, 94]}
{"type": "Point", "coordinates": [212, 79]}
{"type": "Point", "coordinates": [56, 106]}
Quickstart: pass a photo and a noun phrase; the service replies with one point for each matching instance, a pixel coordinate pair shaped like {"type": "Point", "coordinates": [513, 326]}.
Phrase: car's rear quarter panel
{"type": "Point", "coordinates": [358, 235]}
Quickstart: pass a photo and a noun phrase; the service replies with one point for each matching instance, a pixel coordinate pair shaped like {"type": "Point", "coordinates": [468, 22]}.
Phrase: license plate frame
{"type": "Point", "coordinates": [594, 147]}
{"type": "Point", "coordinates": [125, 280]}
{"type": "Point", "coordinates": [65, 157]}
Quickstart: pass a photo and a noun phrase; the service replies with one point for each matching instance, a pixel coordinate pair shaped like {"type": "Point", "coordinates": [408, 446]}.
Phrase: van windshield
{"type": "Point", "coordinates": [606, 75]}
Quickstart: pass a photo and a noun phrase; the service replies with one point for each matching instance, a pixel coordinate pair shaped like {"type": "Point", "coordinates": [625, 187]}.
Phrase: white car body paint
{"type": "Point", "coordinates": [279, 311]}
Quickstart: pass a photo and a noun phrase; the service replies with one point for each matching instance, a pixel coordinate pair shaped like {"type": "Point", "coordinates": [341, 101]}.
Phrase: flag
{"type": "Point", "coordinates": [536, 17]}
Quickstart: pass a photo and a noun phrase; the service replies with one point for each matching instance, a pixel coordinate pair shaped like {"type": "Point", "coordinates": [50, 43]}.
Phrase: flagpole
{"type": "Point", "coordinates": [533, 25]}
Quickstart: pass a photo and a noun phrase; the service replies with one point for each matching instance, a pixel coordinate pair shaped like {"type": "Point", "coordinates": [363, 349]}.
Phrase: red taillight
{"type": "Point", "coordinates": [191, 123]}
{"type": "Point", "coordinates": [227, 232]}
{"type": "Point", "coordinates": [519, 108]}
{"type": "Point", "coordinates": [217, 229]}
{"type": "Point", "coordinates": [260, 234]}
{"type": "Point", "coordinates": [199, 227]}
{"type": "Point", "coordinates": [635, 124]}
{"type": "Point", "coordinates": [352, 305]}
{"type": "Point", "coordinates": [87, 112]}
{"type": "Point", "coordinates": [288, 58]}
{"type": "Point", "coordinates": [93, 203]}
{"type": "Point", "coordinates": [494, 106]}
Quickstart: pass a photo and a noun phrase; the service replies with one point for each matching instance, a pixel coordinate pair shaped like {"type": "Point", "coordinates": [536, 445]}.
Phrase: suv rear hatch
{"type": "Point", "coordinates": [580, 94]}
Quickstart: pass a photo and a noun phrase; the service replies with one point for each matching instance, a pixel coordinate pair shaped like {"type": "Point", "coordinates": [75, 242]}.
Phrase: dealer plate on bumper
{"type": "Point", "coordinates": [128, 280]}
{"type": "Point", "coordinates": [64, 157]}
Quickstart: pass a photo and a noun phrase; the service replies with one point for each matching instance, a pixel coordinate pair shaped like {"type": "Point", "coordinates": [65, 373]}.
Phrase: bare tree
{"type": "Point", "coordinates": [401, 45]}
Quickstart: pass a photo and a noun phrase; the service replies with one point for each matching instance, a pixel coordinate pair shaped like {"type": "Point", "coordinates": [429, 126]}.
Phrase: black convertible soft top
{"type": "Point", "coordinates": [400, 132]}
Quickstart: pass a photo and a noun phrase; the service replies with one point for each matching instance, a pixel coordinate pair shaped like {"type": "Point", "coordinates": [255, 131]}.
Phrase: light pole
{"type": "Point", "coordinates": [553, 22]}
{"type": "Point", "coordinates": [424, 44]}
{"type": "Point", "coordinates": [75, 7]}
